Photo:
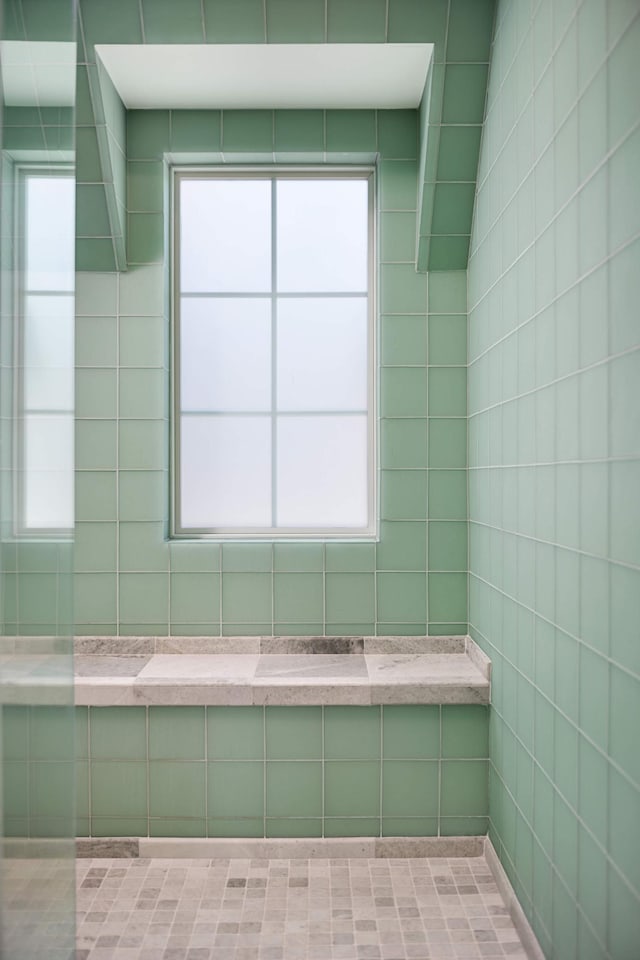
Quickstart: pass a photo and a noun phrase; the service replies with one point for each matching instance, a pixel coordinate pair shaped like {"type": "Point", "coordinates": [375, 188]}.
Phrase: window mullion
{"type": "Point", "coordinates": [274, 347]}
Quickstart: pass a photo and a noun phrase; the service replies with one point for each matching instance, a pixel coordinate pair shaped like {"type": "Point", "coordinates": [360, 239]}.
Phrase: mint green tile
{"type": "Point", "coordinates": [350, 597]}
{"type": "Point", "coordinates": [176, 733]}
{"type": "Point", "coordinates": [458, 153]}
{"type": "Point", "coordinates": [417, 21]}
{"type": "Point", "coordinates": [623, 195]}
{"type": "Point", "coordinates": [235, 828]}
{"type": "Point", "coordinates": [403, 495]}
{"type": "Point", "coordinates": [294, 789]}
{"type": "Point", "coordinates": [145, 629]}
{"type": "Point", "coordinates": [352, 788]}
{"type": "Point", "coordinates": [142, 393]}
{"type": "Point", "coordinates": [447, 339]}
{"type": "Point", "coordinates": [411, 732]}
{"type": "Point", "coordinates": [92, 218]}
{"type": "Point", "coordinates": [464, 93]}
{"type": "Point", "coordinates": [51, 790]}
{"type": "Point", "coordinates": [447, 495]}
{"type": "Point", "coordinates": [401, 597]}
{"type": "Point", "coordinates": [145, 238]}
{"type": "Point", "coordinates": [398, 184]}
{"type": "Point", "coordinates": [256, 629]}
{"type": "Point", "coordinates": [464, 788]}
{"type": "Point", "coordinates": [404, 392]}
{"type": "Point", "coordinates": [410, 826]}
{"type": "Point", "coordinates": [448, 292]}
{"type": "Point", "coordinates": [196, 130]}
{"type": "Point", "coordinates": [298, 596]}
{"type": "Point", "coordinates": [398, 134]}
{"type": "Point", "coordinates": [447, 597]}
{"type": "Point", "coordinates": [201, 557]}
{"type": "Point", "coordinates": [51, 732]}
{"type": "Point", "coordinates": [298, 557]}
{"type": "Point", "coordinates": [195, 597]}
{"type": "Point", "coordinates": [119, 827]}
{"type": "Point", "coordinates": [398, 238]}
{"type": "Point", "coordinates": [402, 289]}
{"type": "Point", "coordinates": [199, 629]}
{"type": "Point", "coordinates": [234, 21]}
{"type": "Point", "coordinates": [147, 134]}
{"type": "Point", "coordinates": [350, 557]}
{"type": "Point", "coordinates": [171, 827]}
{"type": "Point", "coordinates": [464, 826]}
{"type": "Point", "coordinates": [119, 24]}
{"type": "Point", "coordinates": [470, 30]}
{"type": "Point", "coordinates": [565, 843]}
{"type": "Point", "coordinates": [142, 548]}
{"type": "Point", "coordinates": [235, 733]}
{"type": "Point", "coordinates": [447, 545]}
{"type": "Point", "coordinates": [402, 546]}
{"type": "Point", "coordinates": [447, 391]}
{"type": "Point", "coordinates": [142, 444]}
{"type": "Point", "coordinates": [96, 394]}
{"type": "Point", "coordinates": [351, 131]}
{"type": "Point", "coordinates": [294, 733]}
{"type": "Point", "coordinates": [465, 731]}
{"type": "Point", "coordinates": [95, 598]}
{"type": "Point", "coordinates": [623, 722]}
{"type": "Point", "coordinates": [88, 166]}
{"type": "Point", "coordinates": [248, 131]}
{"type": "Point", "coordinates": [351, 827]}
{"type": "Point", "coordinates": [145, 186]}
{"type": "Point", "coordinates": [246, 597]}
{"type": "Point", "coordinates": [118, 789]}
{"type": "Point", "coordinates": [143, 495]}
{"type": "Point", "coordinates": [625, 601]}
{"type": "Point", "coordinates": [448, 253]}
{"type": "Point", "coordinates": [351, 21]}
{"type": "Point", "coordinates": [453, 208]}
{"type": "Point", "coordinates": [410, 788]}
{"type": "Point", "coordinates": [293, 629]}
{"type": "Point", "coordinates": [118, 733]}
{"type": "Point", "coordinates": [176, 789]}
{"type": "Point", "coordinates": [97, 296]}
{"type": "Point", "coordinates": [404, 339]}
{"type": "Point", "coordinates": [96, 342]}
{"type": "Point", "coordinates": [247, 557]}
{"type": "Point", "coordinates": [235, 789]}
{"type": "Point", "coordinates": [81, 732]}
{"type": "Point", "coordinates": [15, 789]}
{"type": "Point", "coordinates": [164, 23]}
{"type": "Point", "coordinates": [95, 547]}
{"type": "Point", "coordinates": [404, 443]}
{"type": "Point", "coordinates": [299, 131]}
{"type": "Point", "coordinates": [15, 732]}
{"type": "Point", "coordinates": [142, 292]}
{"type": "Point", "coordinates": [624, 917]}
{"type": "Point", "coordinates": [296, 21]}
{"type": "Point", "coordinates": [351, 733]}
{"type": "Point", "coordinates": [81, 771]}
{"type": "Point", "coordinates": [293, 827]}
{"type": "Point", "coordinates": [447, 442]}
{"type": "Point", "coordinates": [144, 597]}
{"type": "Point", "coordinates": [625, 511]}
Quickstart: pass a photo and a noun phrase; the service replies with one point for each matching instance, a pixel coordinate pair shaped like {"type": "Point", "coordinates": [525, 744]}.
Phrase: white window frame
{"type": "Point", "coordinates": [22, 171]}
{"type": "Point", "coordinates": [369, 532]}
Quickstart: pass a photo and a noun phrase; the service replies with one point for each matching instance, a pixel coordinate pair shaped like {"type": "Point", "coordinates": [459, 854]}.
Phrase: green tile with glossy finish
{"type": "Point", "coordinates": [404, 392]}
{"type": "Point", "coordinates": [404, 443]}
{"type": "Point", "coordinates": [447, 391]}
{"type": "Point", "coordinates": [448, 597]}
{"type": "Point", "coordinates": [350, 557]}
{"type": "Point", "coordinates": [404, 339]}
{"type": "Point", "coordinates": [410, 826]}
{"type": "Point", "coordinates": [142, 292]}
{"type": "Point", "coordinates": [235, 789]}
{"type": "Point", "coordinates": [351, 827]}
{"type": "Point", "coordinates": [352, 788]}
{"type": "Point", "coordinates": [410, 788]}
{"type": "Point", "coordinates": [176, 789]}
{"type": "Point", "coordinates": [92, 218]}
{"type": "Point", "coordinates": [447, 442]}
{"type": "Point", "coordinates": [142, 444]}
{"type": "Point", "coordinates": [293, 827]}
{"type": "Point", "coordinates": [15, 732]}
{"type": "Point", "coordinates": [118, 789]}
{"type": "Point", "coordinates": [88, 166]}
{"type": "Point", "coordinates": [349, 597]}
{"type": "Point", "coordinates": [234, 21]}
{"type": "Point", "coordinates": [447, 339]}
{"type": "Point", "coordinates": [464, 93]}
{"type": "Point", "coordinates": [195, 597]}
{"type": "Point", "coordinates": [147, 134]}
{"type": "Point", "coordinates": [15, 788]}
{"type": "Point", "coordinates": [592, 882]}
{"type": "Point", "coordinates": [120, 23]}
{"type": "Point", "coordinates": [411, 732]}
{"type": "Point", "coordinates": [96, 342]}
{"type": "Point", "coordinates": [448, 292]}
{"type": "Point", "coordinates": [351, 733]}
{"type": "Point", "coordinates": [452, 208]}
{"type": "Point", "coordinates": [402, 546]}
{"type": "Point", "coordinates": [447, 545]}
{"type": "Point", "coordinates": [350, 131]}
{"type": "Point", "coordinates": [235, 733]}
{"type": "Point", "coordinates": [403, 495]}
{"type": "Point", "coordinates": [398, 236]}
{"type": "Point", "coordinates": [401, 597]}
{"type": "Point", "coordinates": [95, 547]}
{"type": "Point", "coordinates": [298, 596]}
{"type": "Point", "coordinates": [176, 733]}
{"type": "Point", "coordinates": [95, 598]}
{"type": "Point", "coordinates": [119, 827]}
{"type": "Point", "coordinates": [294, 733]}
{"type": "Point", "coordinates": [118, 733]}
{"type": "Point", "coordinates": [298, 557]}
{"type": "Point", "coordinates": [294, 789]}
{"type": "Point", "coordinates": [351, 21]}
{"type": "Point", "coordinates": [448, 253]}
{"type": "Point", "coordinates": [196, 130]}
{"type": "Point", "coordinates": [144, 597]}
{"type": "Point", "coordinates": [398, 134]}
{"type": "Point", "coordinates": [397, 184]}
{"type": "Point", "coordinates": [465, 731]}
{"type": "Point", "coordinates": [464, 788]}
{"type": "Point", "coordinates": [51, 790]}
{"type": "Point", "coordinates": [96, 496]}
{"type": "Point", "coordinates": [463, 826]}
{"type": "Point", "coordinates": [145, 186]}
{"type": "Point", "coordinates": [247, 131]}
{"type": "Point", "coordinates": [142, 548]}
{"type": "Point", "coordinates": [194, 557]}
{"type": "Point", "coordinates": [447, 494]}
{"type": "Point", "coordinates": [235, 828]}
{"type": "Point", "coordinates": [142, 495]}
{"type": "Point", "coordinates": [164, 23]}
{"type": "Point", "coordinates": [246, 597]}
{"type": "Point", "coordinates": [172, 827]}
{"type": "Point", "coordinates": [295, 21]}
{"type": "Point", "coordinates": [423, 21]}
{"type": "Point", "coordinates": [145, 238]}
{"type": "Point", "coordinates": [96, 393]}
{"type": "Point", "coordinates": [402, 289]}
{"type": "Point", "coordinates": [458, 153]}
{"type": "Point", "coordinates": [51, 733]}
{"type": "Point", "coordinates": [299, 131]}
{"type": "Point", "coordinates": [247, 557]}
{"type": "Point", "coordinates": [470, 30]}
{"type": "Point", "coordinates": [142, 393]}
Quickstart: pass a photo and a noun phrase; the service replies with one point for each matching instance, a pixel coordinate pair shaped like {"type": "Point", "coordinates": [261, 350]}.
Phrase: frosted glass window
{"type": "Point", "coordinates": [322, 471]}
{"type": "Point", "coordinates": [226, 471]}
{"type": "Point", "coordinates": [322, 354]}
{"type": "Point", "coordinates": [273, 360]}
{"type": "Point", "coordinates": [322, 236]}
{"type": "Point", "coordinates": [49, 232]}
{"type": "Point", "coordinates": [225, 348]}
{"type": "Point", "coordinates": [48, 331]}
{"type": "Point", "coordinates": [225, 236]}
{"type": "Point", "coordinates": [48, 471]}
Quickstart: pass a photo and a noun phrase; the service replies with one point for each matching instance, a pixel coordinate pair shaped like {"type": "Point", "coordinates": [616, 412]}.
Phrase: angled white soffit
{"type": "Point", "coordinates": [288, 76]}
{"type": "Point", "coordinates": [38, 73]}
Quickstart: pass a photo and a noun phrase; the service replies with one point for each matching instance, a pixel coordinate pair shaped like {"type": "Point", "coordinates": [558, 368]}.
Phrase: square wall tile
{"type": "Point", "coordinates": [176, 733]}
{"type": "Point", "coordinates": [176, 789]}
{"type": "Point", "coordinates": [118, 733]}
{"type": "Point", "coordinates": [294, 733]}
{"type": "Point", "coordinates": [294, 789]}
{"type": "Point", "coordinates": [352, 788]}
{"type": "Point", "coordinates": [236, 789]}
{"type": "Point", "coordinates": [411, 732]}
{"type": "Point", "coordinates": [410, 788]}
{"type": "Point", "coordinates": [351, 733]}
{"type": "Point", "coordinates": [118, 789]}
{"type": "Point", "coordinates": [235, 733]}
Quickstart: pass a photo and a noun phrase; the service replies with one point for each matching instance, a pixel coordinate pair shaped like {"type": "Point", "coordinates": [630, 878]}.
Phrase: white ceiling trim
{"type": "Point", "coordinates": [289, 76]}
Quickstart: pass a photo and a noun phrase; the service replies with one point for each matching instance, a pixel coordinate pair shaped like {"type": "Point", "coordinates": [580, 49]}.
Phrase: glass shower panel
{"type": "Point", "coordinates": [37, 241]}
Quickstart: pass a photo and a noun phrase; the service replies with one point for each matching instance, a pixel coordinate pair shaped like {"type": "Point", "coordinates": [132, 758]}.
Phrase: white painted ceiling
{"type": "Point", "coordinates": [270, 76]}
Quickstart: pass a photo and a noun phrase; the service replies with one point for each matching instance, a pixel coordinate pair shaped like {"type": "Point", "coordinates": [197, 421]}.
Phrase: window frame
{"type": "Point", "coordinates": [273, 172]}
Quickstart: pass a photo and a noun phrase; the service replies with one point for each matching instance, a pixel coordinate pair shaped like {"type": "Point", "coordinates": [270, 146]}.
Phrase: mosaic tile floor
{"type": "Point", "coordinates": [357, 909]}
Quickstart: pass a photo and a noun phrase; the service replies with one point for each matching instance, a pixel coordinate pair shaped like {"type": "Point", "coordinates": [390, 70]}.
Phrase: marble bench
{"type": "Point", "coordinates": [280, 671]}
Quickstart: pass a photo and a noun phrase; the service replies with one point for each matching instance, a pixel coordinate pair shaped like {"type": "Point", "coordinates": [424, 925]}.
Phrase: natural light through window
{"type": "Point", "coordinates": [273, 353]}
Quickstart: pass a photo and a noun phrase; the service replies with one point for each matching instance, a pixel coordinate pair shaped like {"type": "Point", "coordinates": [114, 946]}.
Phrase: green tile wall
{"type": "Point", "coordinates": [276, 771]}
{"type": "Point", "coordinates": [554, 447]}
{"type": "Point", "coordinates": [130, 578]}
